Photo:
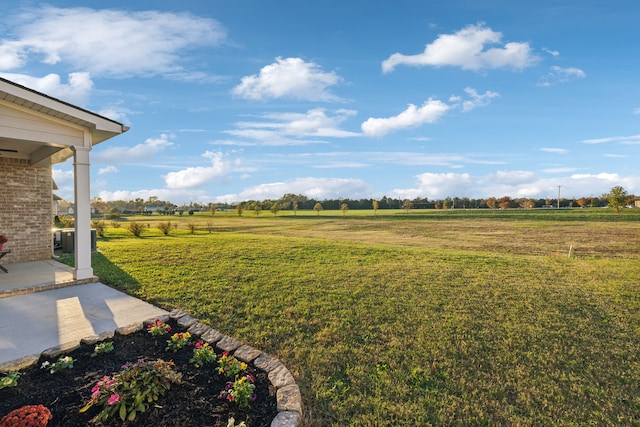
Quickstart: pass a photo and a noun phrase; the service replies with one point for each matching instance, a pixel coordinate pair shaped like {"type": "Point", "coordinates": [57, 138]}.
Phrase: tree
{"type": "Point", "coordinates": [213, 210]}
{"type": "Point", "coordinates": [504, 202]}
{"type": "Point", "coordinates": [239, 209]}
{"type": "Point", "coordinates": [491, 202]}
{"type": "Point", "coordinates": [344, 208]}
{"type": "Point", "coordinates": [318, 208]}
{"type": "Point", "coordinates": [257, 208]}
{"type": "Point", "coordinates": [617, 198]}
{"type": "Point", "coordinates": [407, 205]}
{"type": "Point", "coordinates": [294, 206]}
{"type": "Point", "coordinates": [275, 208]}
{"type": "Point", "coordinates": [374, 205]}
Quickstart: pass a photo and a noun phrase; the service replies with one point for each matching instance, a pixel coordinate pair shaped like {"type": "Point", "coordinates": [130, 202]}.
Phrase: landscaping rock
{"type": "Point", "coordinates": [93, 339]}
{"type": "Point", "coordinates": [59, 350]}
{"type": "Point", "coordinates": [212, 336]}
{"type": "Point", "coordinates": [289, 398]}
{"type": "Point", "coordinates": [281, 377]}
{"type": "Point", "coordinates": [286, 419]}
{"type": "Point", "coordinates": [199, 329]}
{"type": "Point", "coordinates": [246, 353]}
{"type": "Point", "coordinates": [129, 329]}
{"type": "Point", "coordinates": [186, 321]}
{"type": "Point", "coordinates": [228, 343]}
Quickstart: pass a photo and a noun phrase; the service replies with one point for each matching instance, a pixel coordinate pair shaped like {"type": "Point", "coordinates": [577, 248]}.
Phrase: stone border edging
{"type": "Point", "coordinates": [288, 397]}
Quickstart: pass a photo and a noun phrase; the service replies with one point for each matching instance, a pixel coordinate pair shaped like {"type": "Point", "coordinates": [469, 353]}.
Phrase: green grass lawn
{"type": "Point", "coordinates": [414, 319]}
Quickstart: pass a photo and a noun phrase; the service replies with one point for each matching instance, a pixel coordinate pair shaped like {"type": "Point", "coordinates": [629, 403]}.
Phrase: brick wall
{"type": "Point", "coordinates": [26, 210]}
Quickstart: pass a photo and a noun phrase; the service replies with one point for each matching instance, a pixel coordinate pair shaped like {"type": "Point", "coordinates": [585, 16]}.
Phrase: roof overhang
{"type": "Point", "coordinates": [44, 129]}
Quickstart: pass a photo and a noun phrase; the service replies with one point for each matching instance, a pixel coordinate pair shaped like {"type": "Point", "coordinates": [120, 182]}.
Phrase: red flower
{"type": "Point", "coordinates": [29, 416]}
{"type": "Point", "coordinates": [3, 239]}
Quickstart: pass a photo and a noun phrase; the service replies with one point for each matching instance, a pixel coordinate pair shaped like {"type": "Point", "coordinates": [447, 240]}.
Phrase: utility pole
{"type": "Point", "coordinates": [559, 196]}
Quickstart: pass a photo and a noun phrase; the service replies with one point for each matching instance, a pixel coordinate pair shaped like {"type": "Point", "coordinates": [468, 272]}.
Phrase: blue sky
{"type": "Point", "coordinates": [252, 99]}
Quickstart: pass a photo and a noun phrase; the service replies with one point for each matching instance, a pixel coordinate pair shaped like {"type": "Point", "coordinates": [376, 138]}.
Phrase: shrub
{"type": "Point", "coordinates": [136, 228]}
{"type": "Point", "coordinates": [165, 227]}
{"type": "Point", "coordinates": [67, 221]}
{"type": "Point", "coordinates": [192, 228]}
{"type": "Point", "coordinates": [99, 227]}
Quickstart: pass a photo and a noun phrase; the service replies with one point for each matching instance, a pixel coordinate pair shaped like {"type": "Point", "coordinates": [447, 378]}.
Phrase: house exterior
{"type": "Point", "coordinates": [36, 132]}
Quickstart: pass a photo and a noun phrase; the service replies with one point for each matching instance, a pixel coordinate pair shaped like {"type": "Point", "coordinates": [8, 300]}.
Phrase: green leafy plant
{"type": "Point", "coordinates": [178, 341]}
{"type": "Point", "coordinates": [158, 328]}
{"type": "Point", "coordinates": [229, 366]}
{"type": "Point", "coordinates": [65, 362]}
{"type": "Point", "coordinates": [240, 391]}
{"type": "Point", "coordinates": [131, 390]}
{"type": "Point", "coordinates": [202, 354]}
{"type": "Point", "coordinates": [102, 348]}
{"type": "Point", "coordinates": [10, 379]}
{"type": "Point", "coordinates": [27, 416]}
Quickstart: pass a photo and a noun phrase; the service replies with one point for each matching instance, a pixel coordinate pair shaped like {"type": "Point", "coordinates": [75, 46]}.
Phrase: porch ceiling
{"type": "Point", "coordinates": [54, 148]}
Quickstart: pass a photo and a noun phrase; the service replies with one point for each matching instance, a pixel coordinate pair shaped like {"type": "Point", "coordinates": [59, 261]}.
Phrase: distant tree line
{"type": "Point", "coordinates": [617, 198]}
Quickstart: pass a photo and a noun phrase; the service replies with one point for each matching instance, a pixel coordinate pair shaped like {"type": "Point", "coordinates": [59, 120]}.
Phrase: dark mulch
{"type": "Point", "coordinates": [193, 402]}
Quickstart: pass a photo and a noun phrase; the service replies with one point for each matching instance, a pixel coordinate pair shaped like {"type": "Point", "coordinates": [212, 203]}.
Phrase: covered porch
{"type": "Point", "coordinates": [36, 132]}
{"type": "Point", "coordinates": [35, 276]}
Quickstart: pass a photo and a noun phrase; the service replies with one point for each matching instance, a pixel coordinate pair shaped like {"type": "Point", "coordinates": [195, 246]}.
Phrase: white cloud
{"type": "Point", "coordinates": [118, 112]}
{"type": "Point", "coordinates": [616, 156]}
{"type": "Point", "coordinates": [554, 150]}
{"type": "Point", "coordinates": [512, 177]}
{"type": "Point", "coordinates": [107, 170]}
{"type": "Point", "coordinates": [291, 78]}
{"type": "Point", "coordinates": [315, 188]}
{"type": "Point", "coordinates": [107, 42]}
{"type": "Point", "coordinates": [144, 151]}
{"type": "Point", "coordinates": [551, 52]}
{"type": "Point", "coordinates": [413, 116]}
{"type": "Point", "coordinates": [76, 91]}
{"type": "Point", "coordinates": [442, 185]}
{"type": "Point", "coordinates": [516, 184]}
{"type": "Point", "coordinates": [62, 178]}
{"type": "Point", "coordinates": [468, 49]}
{"type": "Point", "coordinates": [559, 169]}
{"type": "Point", "coordinates": [277, 129]}
{"type": "Point", "coordinates": [560, 75]}
{"type": "Point", "coordinates": [197, 176]}
{"type": "Point", "coordinates": [630, 140]}
{"type": "Point", "coordinates": [477, 100]}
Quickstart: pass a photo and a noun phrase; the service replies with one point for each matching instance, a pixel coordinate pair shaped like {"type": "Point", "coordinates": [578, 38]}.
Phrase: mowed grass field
{"type": "Point", "coordinates": [418, 318]}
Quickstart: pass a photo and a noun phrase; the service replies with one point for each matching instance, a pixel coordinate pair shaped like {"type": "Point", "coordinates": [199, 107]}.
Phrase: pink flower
{"type": "Point", "coordinates": [113, 399]}
{"type": "Point", "coordinates": [199, 344]}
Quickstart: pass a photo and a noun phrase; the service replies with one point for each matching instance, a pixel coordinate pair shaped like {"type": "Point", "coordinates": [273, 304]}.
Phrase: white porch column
{"type": "Point", "coordinates": [82, 243]}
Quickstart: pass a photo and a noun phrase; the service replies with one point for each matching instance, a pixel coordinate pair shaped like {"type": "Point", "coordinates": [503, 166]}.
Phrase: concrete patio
{"type": "Point", "coordinates": [29, 277]}
{"type": "Point", "coordinates": [42, 307]}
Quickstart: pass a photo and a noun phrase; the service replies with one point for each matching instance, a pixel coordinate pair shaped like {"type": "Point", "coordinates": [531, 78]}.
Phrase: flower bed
{"type": "Point", "coordinates": [194, 396]}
